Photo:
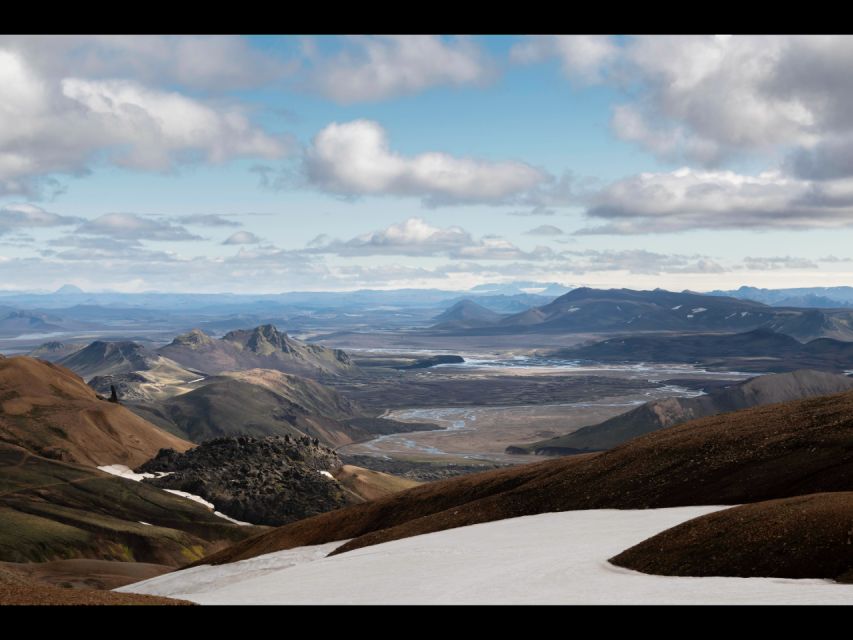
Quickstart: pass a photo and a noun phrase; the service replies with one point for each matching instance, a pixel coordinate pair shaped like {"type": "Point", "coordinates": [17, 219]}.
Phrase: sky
{"type": "Point", "coordinates": [266, 164]}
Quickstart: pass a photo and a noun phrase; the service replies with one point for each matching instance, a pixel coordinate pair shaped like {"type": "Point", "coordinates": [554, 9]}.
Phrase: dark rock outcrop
{"type": "Point", "coordinates": [273, 480]}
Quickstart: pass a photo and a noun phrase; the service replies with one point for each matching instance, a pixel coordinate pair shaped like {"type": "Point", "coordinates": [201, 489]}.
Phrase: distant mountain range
{"type": "Point", "coordinates": [660, 414]}
{"type": "Point", "coordinates": [760, 350]}
{"type": "Point", "coordinates": [818, 297]}
{"type": "Point", "coordinates": [627, 311]}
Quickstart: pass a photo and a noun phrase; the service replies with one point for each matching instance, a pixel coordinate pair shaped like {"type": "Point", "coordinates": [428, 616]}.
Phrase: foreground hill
{"type": "Point", "coordinates": [760, 350]}
{"type": "Point", "coordinates": [660, 414]}
{"type": "Point", "coordinates": [597, 310]}
{"type": "Point", "coordinates": [17, 589]}
{"type": "Point", "coordinates": [51, 510]}
{"type": "Point", "coordinates": [50, 411]}
{"type": "Point", "coordinates": [767, 452]}
{"type": "Point", "coordinates": [801, 537]}
{"type": "Point", "coordinates": [263, 347]}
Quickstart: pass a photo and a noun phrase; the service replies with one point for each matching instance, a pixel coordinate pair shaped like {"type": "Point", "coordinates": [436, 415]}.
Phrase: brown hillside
{"type": "Point", "coordinates": [767, 452]}
{"type": "Point", "coordinates": [367, 484]}
{"type": "Point", "coordinates": [49, 410]}
{"type": "Point", "coordinates": [802, 537]}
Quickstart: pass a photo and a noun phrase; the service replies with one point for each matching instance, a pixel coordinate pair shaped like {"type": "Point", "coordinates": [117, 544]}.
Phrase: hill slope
{"type": "Point", "coordinates": [263, 347]}
{"type": "Point", "coordinates": [659, 414]}
{"type": "Point", "coordinates": [801, 537]}
{"type": "Point", "coordinates": [50, 411]}
{"type": "Point", "coordinates": [52, 510]}
{"type": "Point", "coordinates": [768, 452]}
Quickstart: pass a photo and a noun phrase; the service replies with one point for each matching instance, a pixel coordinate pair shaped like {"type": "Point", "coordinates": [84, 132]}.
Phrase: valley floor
{"type": "Point", "coordinates": [552, 558]}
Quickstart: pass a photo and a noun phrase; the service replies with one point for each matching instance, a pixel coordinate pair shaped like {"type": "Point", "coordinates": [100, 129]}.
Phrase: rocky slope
{"type": "Point", "coordinates": [763, 453]}
{"type": "Point", "coordinates": [660, 414]}
{"type": "Point", "coordinates": [465, 314]}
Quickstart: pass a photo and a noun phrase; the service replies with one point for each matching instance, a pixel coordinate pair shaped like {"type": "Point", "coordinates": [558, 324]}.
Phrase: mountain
{"type": "Point", "coordinates": [821, 297]}
{"type": "Point", "coordinates": [625, 310]}
{"type": "Point", "coordinates": [465, 314]}
{"type": "Point", "coordinates": [768, 452]}
{"type": "Point", "coordinates": [69, 290]}
{"type": "Point", "coordinates": [660, 414]}
{"type": "Point", "coordinates": [102, 358]}
{"type": "Point", "coordinates": [760, 350]}
{"type": "Point", "coordinates": [18, 322]}
{"type": "Point", "coordinates": [53, 510]}
{"type": "Point", "coordinates": [258, 403]}
{"type": "Point", "coordinates": [263, 347]}
{"type": "Point", "coordinates": [799, 537]}
{"type": "Point", "coordinates": [50, 411]}
{"type": "Point", "coordinates": [54, 350]}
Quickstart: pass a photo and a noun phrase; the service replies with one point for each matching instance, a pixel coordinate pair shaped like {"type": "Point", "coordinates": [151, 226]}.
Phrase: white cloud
{"type": "Point", "coordinates": [130, 226]}
{"type": "Point", "coordinates": [206, 220]}
{"type": "Point", "coordinates": [65, 124]}
{"type": "Point", "coordinates": [583, 57]}
{"type": "Point", "coordinates": [691, 199]}
{"type": "Point", "coordinates": [416, 237]}
{"type": "Point", "coordinates": [354, 158]}
{"type": "Point", "coordinates": [377, 67]}
{"type": "Point", "coordinates": [210, 62]}
{"type": "Point", "coordinates": [242, 237]}
{"type": "Point", "coordinates": [26, 216]}
{"type": "Point", "coordinates": [545, 230]}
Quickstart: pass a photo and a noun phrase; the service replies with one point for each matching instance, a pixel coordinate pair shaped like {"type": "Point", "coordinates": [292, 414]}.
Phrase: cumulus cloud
{"type": "Point", "coordinates": [376, 67]}
{"type": "Point", "coordinates": [66, 123]}
{"type": "Point", "coordinates": [131, 226]}
{"type": "Point", "coordinates": [691, 199]}
{"type": "Point", "coordinates": [545, 230]}
{"type": "Point", "coordinates": [583, 57]}
{"type": "Point", "coordinates": [26, 216]}
{"type": "Point", "coordinates": [354, 158]}
{"type": "Point", "coordinates": [416, 237]}
{"type": "Point", "coordinates": [242, 237]}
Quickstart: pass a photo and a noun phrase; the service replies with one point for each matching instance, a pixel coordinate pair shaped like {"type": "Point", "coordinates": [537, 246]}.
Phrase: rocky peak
{"type": "Point", "coordinates": [193, 339]}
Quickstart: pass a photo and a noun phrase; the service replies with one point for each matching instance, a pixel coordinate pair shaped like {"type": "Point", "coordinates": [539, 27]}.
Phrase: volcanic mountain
{"type": "Point", "coordinates": [660, 414]}
{"type": "Point", "coordinates": [763, 453]}
{"type": "Point", "coordinates": [465, 314]}
{"type": "Point", "coordinates": [18, 322]}
{"type": "Point", "coordinates": [263, 347]}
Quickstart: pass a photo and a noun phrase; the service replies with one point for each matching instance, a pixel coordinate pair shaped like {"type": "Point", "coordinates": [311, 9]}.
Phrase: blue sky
{"type": "Point", "coordinates": [269, 164]}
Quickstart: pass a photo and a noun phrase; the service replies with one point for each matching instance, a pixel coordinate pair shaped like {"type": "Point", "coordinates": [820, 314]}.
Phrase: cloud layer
{"type": "Point", "coordinates": [355, 158]}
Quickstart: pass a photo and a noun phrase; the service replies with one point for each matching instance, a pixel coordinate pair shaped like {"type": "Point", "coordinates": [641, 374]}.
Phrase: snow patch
{"type": "Point", "coordinates": [147, 524]}
{"type": "Point", "coordinates": [123, 471]}
{"type": "Point", "coordinates": [327, 474]}
{"type": "Point", "coordinates": [699, 310]}
{"type": "Point", "coordinates": [551, 558]}
{"type": "Point", "coordinates": [677, 308]}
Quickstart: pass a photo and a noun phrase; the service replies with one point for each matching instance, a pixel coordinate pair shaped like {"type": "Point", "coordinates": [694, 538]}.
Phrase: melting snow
{"type": "Point", "coordinates": [698, 309]}
{"type": "Point", "coordinates": [677, 308]}
{"type": "Point", "coordinates": [551, 558]}
{"type": "Point", "coordinates": [126, 472]}
{"type": "Point", "coordinates": [327, 474]}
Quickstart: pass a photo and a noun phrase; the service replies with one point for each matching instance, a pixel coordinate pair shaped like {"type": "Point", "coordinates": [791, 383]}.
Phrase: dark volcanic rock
{"type": "Point", "coordinates": [273, 480]}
